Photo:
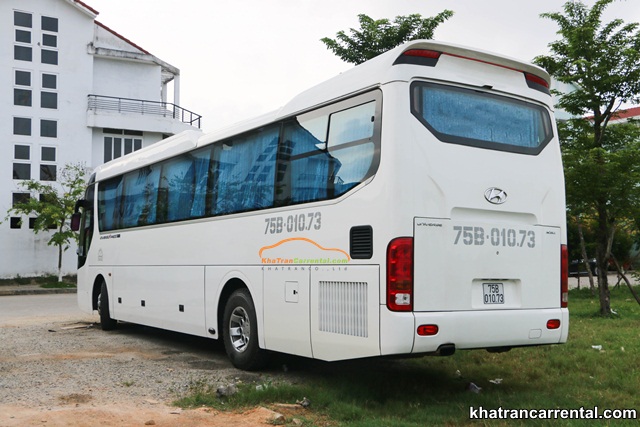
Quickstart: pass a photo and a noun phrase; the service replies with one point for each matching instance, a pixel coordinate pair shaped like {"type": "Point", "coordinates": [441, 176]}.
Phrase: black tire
{"type": "Point", "coordinates": [240, 332]}
{"type": "Point", "coordinates": [106, 322]}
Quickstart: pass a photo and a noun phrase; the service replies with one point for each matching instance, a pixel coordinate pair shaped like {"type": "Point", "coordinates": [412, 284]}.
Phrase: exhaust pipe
{"type": "Point", "coordinates": [446, 350]}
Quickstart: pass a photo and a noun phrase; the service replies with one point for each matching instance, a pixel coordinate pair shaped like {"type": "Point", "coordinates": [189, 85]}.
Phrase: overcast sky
{"type": "Point", "coordinates": [242, 58]}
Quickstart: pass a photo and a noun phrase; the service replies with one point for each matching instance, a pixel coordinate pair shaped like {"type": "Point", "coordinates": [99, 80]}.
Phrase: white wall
{"type": "Point", "coordinates": [126, 79]}
{"type": "Point", "coordinates": [23, 252]}
{"type": "Point", "coordinates": [79, 134]}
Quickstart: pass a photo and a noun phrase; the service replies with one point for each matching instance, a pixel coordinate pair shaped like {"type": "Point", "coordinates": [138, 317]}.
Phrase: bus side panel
{"type": "Point", "coordinates": [286, 309]}
{"type": "Point", "coordinates": [396, 332]}
{"type": "Point", "coordinates": [85, 289]}
{"type": "Point", "coordinates": [345, 317]}
{"type": "Point", "coordinates": [167, 297]}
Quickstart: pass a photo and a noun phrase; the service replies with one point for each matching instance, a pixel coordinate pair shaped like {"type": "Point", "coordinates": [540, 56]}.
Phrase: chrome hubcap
{"type": "Point", "coordinates": [239, 329]}
{"type": "Point", "coordinates": [99, 303]}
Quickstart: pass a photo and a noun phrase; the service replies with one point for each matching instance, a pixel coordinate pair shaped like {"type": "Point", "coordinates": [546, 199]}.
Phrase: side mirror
{"type": "Point", "coordinates": [75, 221]}
{"type": "Point", "coordinates": [80, 204]}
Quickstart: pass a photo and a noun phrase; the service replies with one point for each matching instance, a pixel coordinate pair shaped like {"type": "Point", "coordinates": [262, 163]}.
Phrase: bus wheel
{"type": "Point", "coordinates": [240, 331]}
{"type": "Point", "coordinates": [106, 322]}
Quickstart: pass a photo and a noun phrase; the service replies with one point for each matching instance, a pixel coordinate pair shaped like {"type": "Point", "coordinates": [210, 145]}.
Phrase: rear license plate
{"type": "Point", "coordinates": [493, 293]}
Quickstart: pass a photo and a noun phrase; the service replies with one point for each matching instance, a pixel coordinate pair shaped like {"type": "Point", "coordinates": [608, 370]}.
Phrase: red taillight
{"type": "Point", "coordinates": [553, 324]}
{"type": "Point", "coordinates": [400, 274]}
{"type": "Point", "coordinates": [424, 57]}
{"type": "Point", "coordinates": [537, 80]}
{"type": "Point", "coordinates": [424, 53]}
{"type": "Point", "coordinates": [427, 330]}
{"type": "Point", "coordinates": [564, 276]}
{"type": "Point", "coordinates": [537, 83]}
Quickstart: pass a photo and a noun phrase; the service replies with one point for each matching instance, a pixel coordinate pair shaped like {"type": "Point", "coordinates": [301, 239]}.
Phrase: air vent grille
{"type": "Point", "coordinates": [361, 242]}
{"type": "Point", "coordinates": [342, 308]}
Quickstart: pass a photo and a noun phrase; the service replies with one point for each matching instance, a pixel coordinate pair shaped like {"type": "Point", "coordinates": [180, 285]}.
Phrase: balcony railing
{"type": "Point", "coordinates": [140, 106]}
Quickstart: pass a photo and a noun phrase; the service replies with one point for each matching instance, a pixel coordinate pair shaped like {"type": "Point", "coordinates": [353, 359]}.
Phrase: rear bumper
{"type": "Point", "coordinates": [485, 329]}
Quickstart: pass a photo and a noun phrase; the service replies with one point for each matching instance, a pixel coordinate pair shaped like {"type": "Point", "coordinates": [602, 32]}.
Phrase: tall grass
{"type": "Point", "coordinates": [435, 391]}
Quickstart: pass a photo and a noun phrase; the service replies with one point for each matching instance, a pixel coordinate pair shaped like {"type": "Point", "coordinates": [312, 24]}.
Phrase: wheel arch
{"type": "Point", "coordinates": [97, 284]}
{"type": "Point", "coordinates": [228, 289]}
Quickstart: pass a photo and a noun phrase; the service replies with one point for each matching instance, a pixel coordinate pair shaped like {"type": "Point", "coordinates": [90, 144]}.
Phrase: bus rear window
{"type": "Point", "coordinates": [480, 119]}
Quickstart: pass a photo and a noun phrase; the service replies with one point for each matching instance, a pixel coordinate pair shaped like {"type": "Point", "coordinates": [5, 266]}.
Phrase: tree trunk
{"type": "Point", "coordinates": [602, 259]}
{"type": "Point", "coordinates": [626, 280]}
{"type": "Point", "coordinates": [59, 263]}
{"type": "Point", "coordinates": [585, 259]}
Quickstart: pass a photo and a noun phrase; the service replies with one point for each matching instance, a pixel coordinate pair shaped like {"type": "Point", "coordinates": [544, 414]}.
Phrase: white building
{"type": "Point", "coordinates": [71, 90]}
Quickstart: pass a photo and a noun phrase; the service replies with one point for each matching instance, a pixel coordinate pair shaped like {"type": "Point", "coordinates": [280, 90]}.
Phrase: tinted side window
{"type": "Point", "coordinates": [245, 172]}
{"type": "Point", "coordinates": [140, 196]}
{"type": "Point", "coordinates": [177, 188]}
{"type": "Point", "coordinates": [202, 185]}
{"type": "Point", "coordinates": [109, 204]}
{"type": "Point", "coordinates": [305, 164]}
{"type": "Point", "coordinates": [351, 145]}
{"type": "Point", "coordinates": [314, 156]}
{"type": "Point", "coordinates": [325, 155]}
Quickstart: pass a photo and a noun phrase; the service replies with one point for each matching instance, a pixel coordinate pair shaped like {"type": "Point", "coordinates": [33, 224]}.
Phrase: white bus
{"type": "Point", "coordinates": [411, 205]}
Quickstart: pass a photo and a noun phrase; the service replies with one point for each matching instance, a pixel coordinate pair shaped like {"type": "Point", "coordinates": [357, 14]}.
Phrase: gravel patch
{"type": "Point", "coordinates": [67, 362]}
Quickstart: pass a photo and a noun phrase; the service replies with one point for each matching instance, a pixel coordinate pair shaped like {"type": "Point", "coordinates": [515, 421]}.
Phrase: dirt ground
{"type": "Point", "coordinates": [68, 372]}
{"type": "Point", "coordinates": [127, 415]}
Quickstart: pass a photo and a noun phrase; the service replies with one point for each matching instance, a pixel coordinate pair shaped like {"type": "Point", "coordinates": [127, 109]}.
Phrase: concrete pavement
{"type": "Point", "coordinates": [7, 290]}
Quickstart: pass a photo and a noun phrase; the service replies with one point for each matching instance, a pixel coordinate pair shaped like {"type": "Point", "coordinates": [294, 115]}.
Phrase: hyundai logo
{"type": "Point", "coordinates": [495, 195]}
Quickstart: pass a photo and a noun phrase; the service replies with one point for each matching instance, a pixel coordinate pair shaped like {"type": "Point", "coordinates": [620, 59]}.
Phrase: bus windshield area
{"type": "Point", "coordinates": [481, 119]}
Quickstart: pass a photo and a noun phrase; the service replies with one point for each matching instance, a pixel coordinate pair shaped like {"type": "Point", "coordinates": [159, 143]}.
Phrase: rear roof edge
{"type": "Point", "coordinates": [378, 70]}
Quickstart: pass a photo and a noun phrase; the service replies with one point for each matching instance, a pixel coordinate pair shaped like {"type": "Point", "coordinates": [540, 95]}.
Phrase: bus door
{"type": "Point", "coordinates": [84, 223]}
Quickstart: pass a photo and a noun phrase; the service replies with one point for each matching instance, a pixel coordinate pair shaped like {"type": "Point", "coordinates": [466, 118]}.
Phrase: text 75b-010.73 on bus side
{"type": "Point", "coordinates": [506, 237]}
{"type": "Point", "coordinates": [293, 223]}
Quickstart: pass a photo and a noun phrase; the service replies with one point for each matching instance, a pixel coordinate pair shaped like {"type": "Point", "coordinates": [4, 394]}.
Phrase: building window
{"type": "Point", "coordinates": [16, 222]}
{"type": "Point", "coordinates": [49, 57]}
{"type": "Point", "coordinates": [20, 198]}
{"type": "Point", "coordinates": [23, 36]}
{"type": "Point", "coordinates": [22, 152]}
{"type": "Point", "coordinates": [22, 53]}
{"type": "Point", "coordinates": [49, 100]}
{"type": "Point", "coordinates": [118, 146]}
{"type": "Point", "coordinates": [21, 171]}
{"type": "Point", "coordinates": [49, 24]}
{"type": "Point", "coordinates": [49, 128]}
{"type": "Point", "coordinates": [49, 40]}
{"type": "Point", "coordinates": [47, 172]}
{"type": "Point", "coordinates": [21, 126]}
{"type": "Point", "coordinates": [23, 78]}
{"type": "Point", "coordinates": [48, 154]}
{"type": "Point", "coordinates": [22, 19]}
{"type": "Point", "coordinates": [32, 223]}
{"type": "Point", "coordinates": [49, 81]}
{"type": "Point", "coordinates": [22, 97]}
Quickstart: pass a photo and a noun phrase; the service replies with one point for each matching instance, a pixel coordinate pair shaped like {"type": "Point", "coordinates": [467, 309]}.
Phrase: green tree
{"type": "Point", "coordinates": [602, 60]}
{"type": "Point", "coordinates": [53, 204]}
{"type": "Point", "coordinates": [378, 36]}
